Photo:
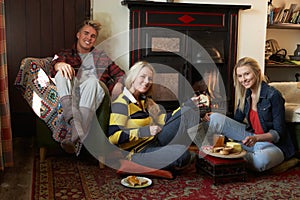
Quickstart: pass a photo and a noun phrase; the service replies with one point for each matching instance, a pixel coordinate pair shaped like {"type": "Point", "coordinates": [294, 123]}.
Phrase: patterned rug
{"type": "Point", "coordinates": [71, 178]}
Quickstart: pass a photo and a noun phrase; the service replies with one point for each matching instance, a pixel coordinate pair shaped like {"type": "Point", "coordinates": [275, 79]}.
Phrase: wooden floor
{"type": "Point", "coordinates": [15, 182]}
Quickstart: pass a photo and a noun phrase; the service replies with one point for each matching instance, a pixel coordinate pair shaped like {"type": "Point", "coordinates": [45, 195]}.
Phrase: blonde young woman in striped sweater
{"type": "Point", "coordinates": [146, 134]}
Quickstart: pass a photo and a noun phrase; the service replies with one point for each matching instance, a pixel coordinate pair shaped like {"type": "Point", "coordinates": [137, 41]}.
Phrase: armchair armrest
{"type": "Point", "coordinates": [40, 92]}
{"type": "Point", "coordinates": [27, 65]}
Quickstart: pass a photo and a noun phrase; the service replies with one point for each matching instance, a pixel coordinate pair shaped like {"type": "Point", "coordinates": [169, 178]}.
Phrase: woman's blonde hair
{"type": "Point", "coordinates": [239, 88]}
{"type": "Point", "coordinates": [133, 72]}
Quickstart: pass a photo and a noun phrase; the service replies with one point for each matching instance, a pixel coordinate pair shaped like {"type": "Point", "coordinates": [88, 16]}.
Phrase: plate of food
{"type": "Point", "coordinates": [230, 150]}
{"type": "Point", "coordinates": [136, 182]}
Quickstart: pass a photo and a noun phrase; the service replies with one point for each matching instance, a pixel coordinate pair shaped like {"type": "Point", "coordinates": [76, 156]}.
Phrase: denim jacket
{"type": "Point", "coordinates": [271, 114]}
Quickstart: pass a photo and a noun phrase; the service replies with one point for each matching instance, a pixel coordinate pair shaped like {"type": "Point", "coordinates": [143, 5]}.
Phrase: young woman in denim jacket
{"type": "Point", "coordinates": [264, 135]}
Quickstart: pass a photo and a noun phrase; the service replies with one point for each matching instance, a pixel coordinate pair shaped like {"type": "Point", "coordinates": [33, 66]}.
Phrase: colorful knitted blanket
{"type": "Point", "coordinates": [40, 92]}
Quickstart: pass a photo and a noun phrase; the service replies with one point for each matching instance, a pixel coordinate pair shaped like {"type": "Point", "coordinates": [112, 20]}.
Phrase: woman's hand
{"type": "Point", "coordinates": [66, 69]}
{"type": "Point", "coordinates": [154, 130]}
{"type": "Point", "coordinates": [196, 100]}
{"type": "Point", "coordinates": [250, 141]}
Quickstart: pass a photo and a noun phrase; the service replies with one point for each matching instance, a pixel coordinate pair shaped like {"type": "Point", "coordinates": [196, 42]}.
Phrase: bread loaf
{"type": "Point", "coordinates": [237, 147]}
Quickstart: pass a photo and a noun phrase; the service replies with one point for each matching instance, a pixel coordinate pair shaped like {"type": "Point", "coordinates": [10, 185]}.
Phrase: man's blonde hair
{"type": "Point", "coordinates": [93, 23]}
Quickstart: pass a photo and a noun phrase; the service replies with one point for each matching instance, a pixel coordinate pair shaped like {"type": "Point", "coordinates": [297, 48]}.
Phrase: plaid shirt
{"type": "Point", "coordinates": [107, 70]}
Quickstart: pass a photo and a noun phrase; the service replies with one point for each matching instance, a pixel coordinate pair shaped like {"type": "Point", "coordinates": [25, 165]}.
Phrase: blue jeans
{"type": "Point", "coordinates": [262, 156]}
{"type": "Point", "coordinates": [170, 148]}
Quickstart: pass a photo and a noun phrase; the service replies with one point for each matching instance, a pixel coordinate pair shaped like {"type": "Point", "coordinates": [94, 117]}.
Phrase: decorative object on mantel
{"type": "Point", "coordinates": [297, 51]}
{"type": "Point", "coordinates": [296, 55]}
{"type": "Point", "coordinates": [271, 47]}
{"type": "Point", "coordinates": [279, 56]}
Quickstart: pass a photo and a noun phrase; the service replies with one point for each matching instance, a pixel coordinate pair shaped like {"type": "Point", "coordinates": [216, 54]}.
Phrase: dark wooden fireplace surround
{"type": "Point", "coordinates": [212, 26]}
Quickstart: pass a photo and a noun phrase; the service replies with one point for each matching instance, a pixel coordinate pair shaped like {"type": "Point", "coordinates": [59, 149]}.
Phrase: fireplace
{"type": "Point", "coordinates": [192, 47]}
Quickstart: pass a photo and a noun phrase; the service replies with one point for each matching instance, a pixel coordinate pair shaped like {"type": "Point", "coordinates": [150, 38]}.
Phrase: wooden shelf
{"type": "Point", "coordinates": [284, 26]}
{"type": "Point", "coordinates": [280, 66]}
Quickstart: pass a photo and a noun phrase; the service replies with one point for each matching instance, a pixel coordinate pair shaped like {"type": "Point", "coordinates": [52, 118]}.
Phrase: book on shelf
{"type": "Point", "coordinates": [294, 17]}
{"type": "Point", "coordinates": [289, 13]}
{"type": "Point", "coordinates": [277, 12]}
{"type": "Point", "coordinates": [298, 19]}
{"type": "Point", "coordinates": [284, 15]}
{"type": "Point", "coordinates": [281, 16]}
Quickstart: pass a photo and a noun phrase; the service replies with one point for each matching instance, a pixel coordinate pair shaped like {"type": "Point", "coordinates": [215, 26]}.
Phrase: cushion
{"type": "Point", "coordinates": [285, 165]}
{"type": "Point", "coordinates": [129, 167]}
{"type": "Point", "coordinates": [290, 91]}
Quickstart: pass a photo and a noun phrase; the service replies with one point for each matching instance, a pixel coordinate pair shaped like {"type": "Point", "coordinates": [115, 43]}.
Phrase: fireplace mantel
{"type": "Point", "coordinates": [213, 26]}
{"type": "Point", "coordinates": [164, 5]}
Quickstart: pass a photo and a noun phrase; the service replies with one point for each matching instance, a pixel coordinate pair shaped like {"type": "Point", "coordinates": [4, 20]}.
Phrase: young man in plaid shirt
{"type": "Point", "coordinates": [77, 73]}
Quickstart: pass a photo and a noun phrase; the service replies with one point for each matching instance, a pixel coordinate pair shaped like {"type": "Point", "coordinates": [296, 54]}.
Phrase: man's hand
{"type": "Point", "coordinates": [67, 70]}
